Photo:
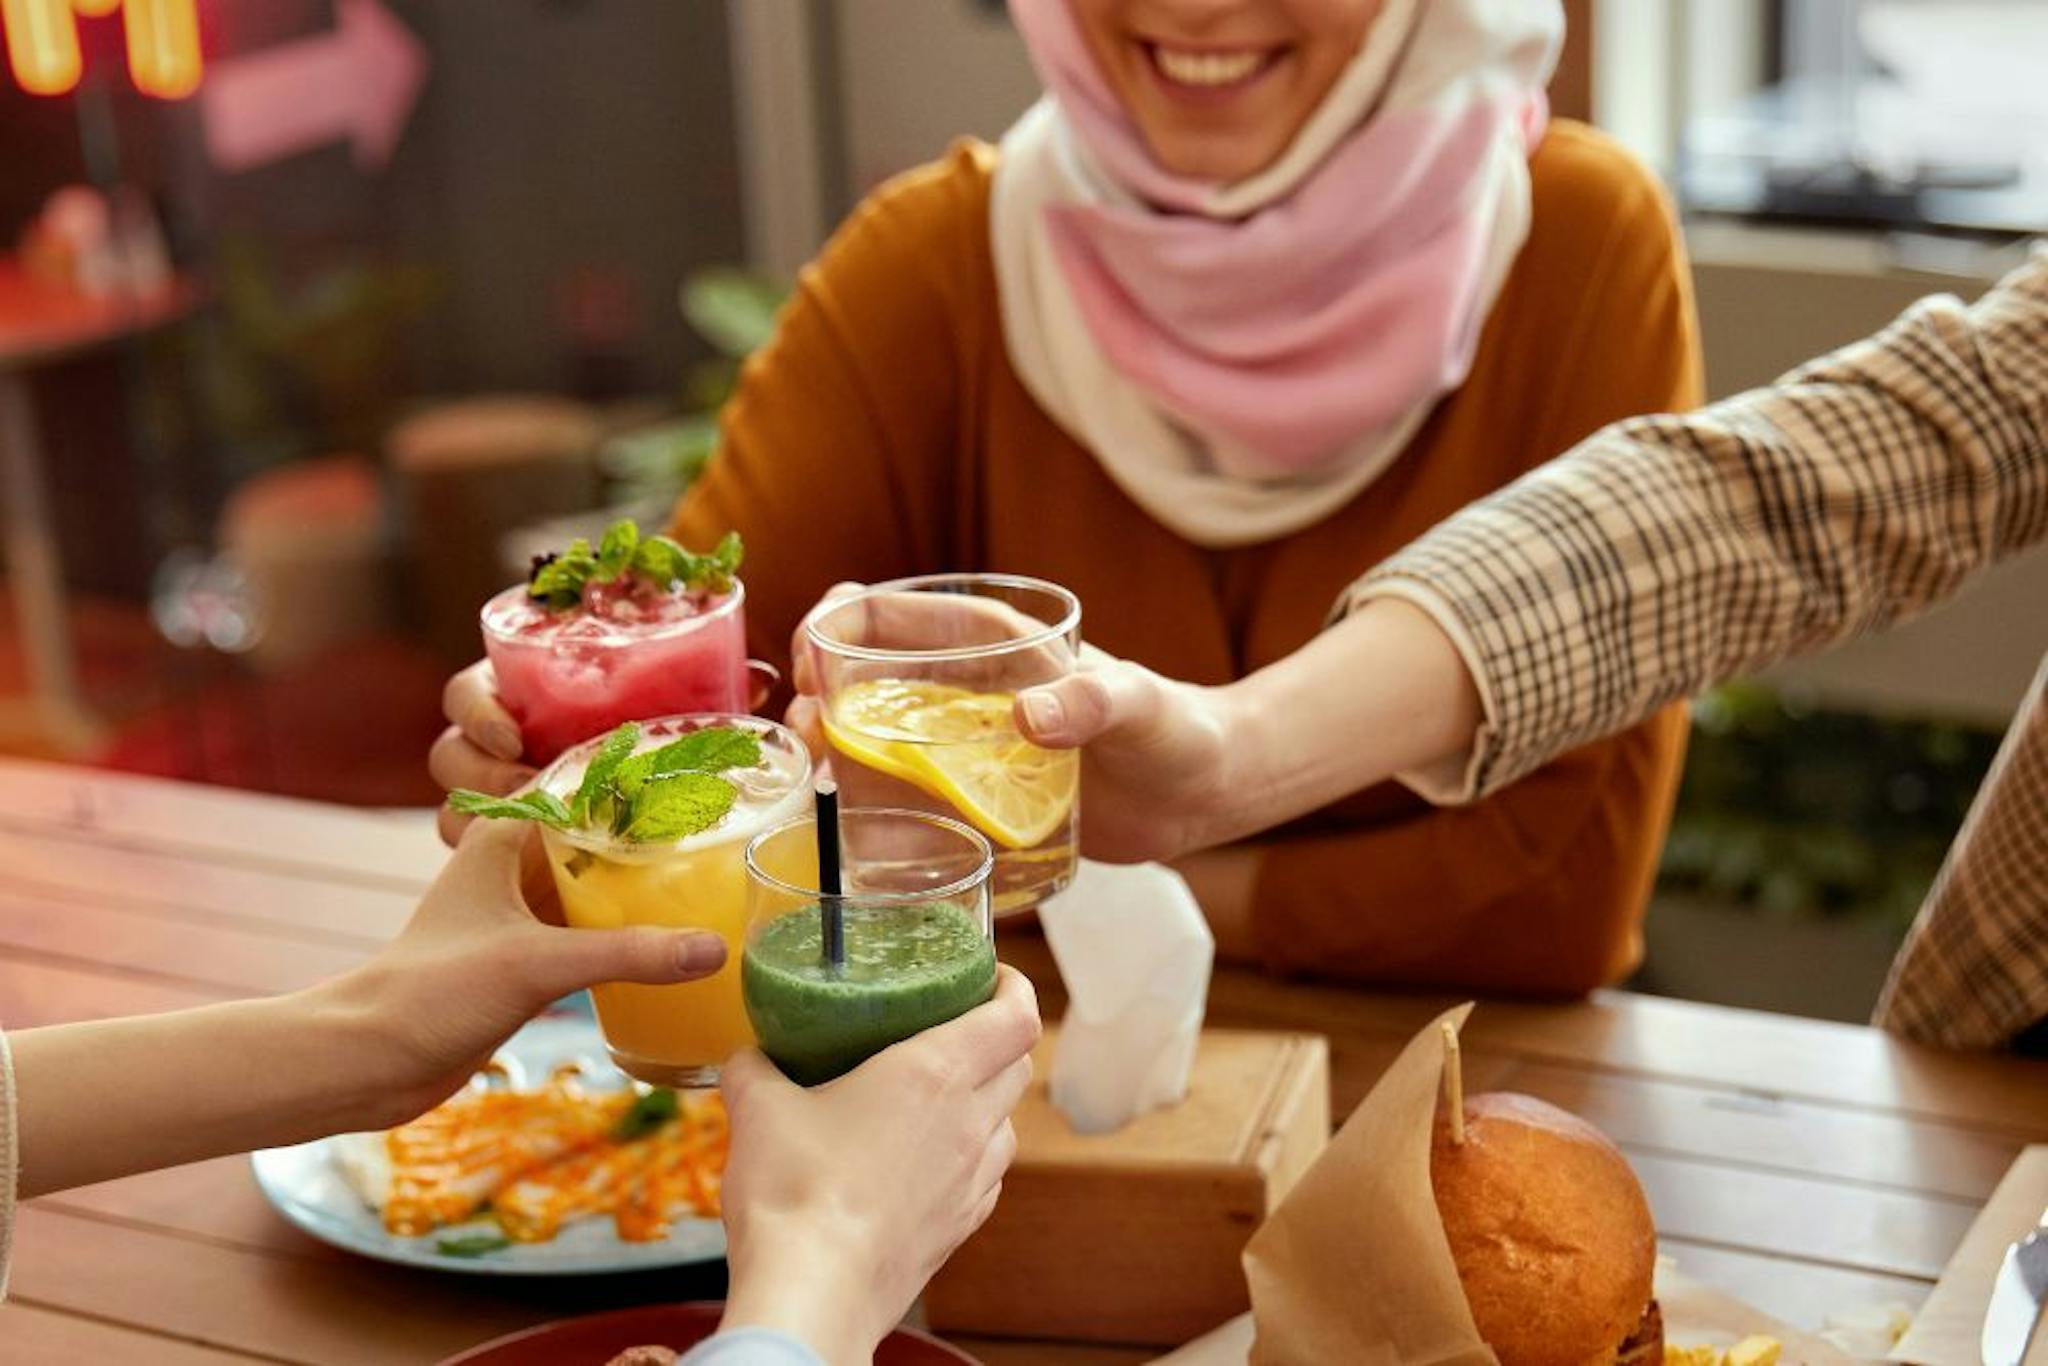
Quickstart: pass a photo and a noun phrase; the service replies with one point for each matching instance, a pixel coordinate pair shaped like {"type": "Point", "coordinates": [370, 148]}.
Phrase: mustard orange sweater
{"type": "Point", "coordinates": [883, 433]}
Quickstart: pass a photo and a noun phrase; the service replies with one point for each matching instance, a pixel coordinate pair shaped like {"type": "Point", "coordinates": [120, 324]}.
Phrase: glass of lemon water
{"type": "Point", "coordinates": [919, 679]}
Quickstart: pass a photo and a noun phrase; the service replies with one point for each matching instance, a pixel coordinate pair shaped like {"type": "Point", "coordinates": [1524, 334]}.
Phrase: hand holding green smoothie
{"type": "Point", "coordinates": [912, 923]}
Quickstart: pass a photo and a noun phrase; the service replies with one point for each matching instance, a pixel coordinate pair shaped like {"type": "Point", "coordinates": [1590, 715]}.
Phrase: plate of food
{"type": "Point", "coordinates": [551, 1162]}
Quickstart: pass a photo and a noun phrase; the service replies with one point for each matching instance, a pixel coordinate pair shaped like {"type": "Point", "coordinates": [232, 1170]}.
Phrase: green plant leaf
{"type": "Point", "coordinates": [544, 807]}
{"type": "Point", "coordinates": [733, 310]}
{"type": "Point", "coordinates": [604, 767]}
{"type": "Point", "coordinates": [654, 465]}
{"type": "Point", "coordinates": [678, 806]}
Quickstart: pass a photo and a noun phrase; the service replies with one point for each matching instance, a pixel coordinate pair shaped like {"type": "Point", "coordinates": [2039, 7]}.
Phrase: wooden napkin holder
{"type": "Point", "coordinates": [1135, 1237]}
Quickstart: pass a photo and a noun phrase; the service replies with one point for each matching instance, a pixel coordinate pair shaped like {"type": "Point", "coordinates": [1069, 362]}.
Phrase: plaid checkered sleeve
{"type": "Point", "coordinates": [1669, 553]}
{"type": "Point", "coordinates": [1974, 971]}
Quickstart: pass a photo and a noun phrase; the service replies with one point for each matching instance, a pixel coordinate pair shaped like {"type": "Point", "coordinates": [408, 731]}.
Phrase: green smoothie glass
{"type": "Point", "coordinates": [915, 920]}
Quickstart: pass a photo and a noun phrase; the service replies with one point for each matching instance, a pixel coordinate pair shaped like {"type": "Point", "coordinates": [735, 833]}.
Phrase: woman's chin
{"type": "Point", "coordinates": [1215, 157]}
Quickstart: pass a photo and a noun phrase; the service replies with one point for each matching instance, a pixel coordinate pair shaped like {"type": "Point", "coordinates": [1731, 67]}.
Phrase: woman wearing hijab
{"type": "Point", "coordinates": [1257, 293]}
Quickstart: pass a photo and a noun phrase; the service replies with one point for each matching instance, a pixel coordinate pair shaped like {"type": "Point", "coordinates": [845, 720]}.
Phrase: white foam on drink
{"type": "Point", "coordinates": [768, 795]}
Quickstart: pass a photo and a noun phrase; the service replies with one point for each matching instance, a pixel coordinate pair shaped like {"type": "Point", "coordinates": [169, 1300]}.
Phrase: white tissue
{"type": "Point", "coordinates": [1135, 954]}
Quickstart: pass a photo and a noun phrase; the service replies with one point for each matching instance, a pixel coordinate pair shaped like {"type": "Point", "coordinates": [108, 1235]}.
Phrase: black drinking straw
{"type": "Point", "coordinates": [831, 909]}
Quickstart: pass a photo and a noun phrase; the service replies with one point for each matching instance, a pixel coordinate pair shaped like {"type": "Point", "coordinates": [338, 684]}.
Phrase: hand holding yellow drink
{"type": "Point", "coordinates": [649, 826]}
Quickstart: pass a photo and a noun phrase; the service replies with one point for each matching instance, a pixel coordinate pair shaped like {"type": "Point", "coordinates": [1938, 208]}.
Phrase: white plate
{"type": "Point", "coordinates": [307, 1188]}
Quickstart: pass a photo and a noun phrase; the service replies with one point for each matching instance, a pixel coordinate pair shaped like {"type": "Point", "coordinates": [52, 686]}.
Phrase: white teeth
{"type": "Point", "coordinates": [1207, 68]}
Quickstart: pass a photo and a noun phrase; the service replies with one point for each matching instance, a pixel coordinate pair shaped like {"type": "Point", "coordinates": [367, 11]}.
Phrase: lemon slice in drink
{"type": "Point", "coordinates": [866, 723]}
{"type": "Point", "coordinates": [962, 748]}
{"type": "Point", "coordinates": [1011, 790]}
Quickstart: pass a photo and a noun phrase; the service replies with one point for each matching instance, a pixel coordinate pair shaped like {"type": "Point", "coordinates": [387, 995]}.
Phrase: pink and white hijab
{"type": "Point", "coordinates": [1243, 359]}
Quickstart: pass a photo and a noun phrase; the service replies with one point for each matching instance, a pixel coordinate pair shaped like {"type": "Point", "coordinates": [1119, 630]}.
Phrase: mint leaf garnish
{"type": "Point", "coordinates": [597, 779]}
{"type": "Point", "coordinates": [544, 807]}
{"type": "Point", "coordinates": [472, 1245]}
{"type": "Point", "coordinates": [660, 559]}
{"type": "Point", "coordinates": [615, 552]}
{"type": "Point", "coordinates": [649, 1112]}
{"type": "Point", "coordinates": [560, 580]}
{"type": "Point", "coordinates": [678, 806]}
{"type": "Point", "coordinates": [664, 794]}
{"type": "Point", "coordinates": [713, 750]}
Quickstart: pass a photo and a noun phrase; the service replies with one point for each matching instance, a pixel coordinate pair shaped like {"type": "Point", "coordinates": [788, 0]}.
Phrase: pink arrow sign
{"type": "Point", "coordinates": [358, 82]}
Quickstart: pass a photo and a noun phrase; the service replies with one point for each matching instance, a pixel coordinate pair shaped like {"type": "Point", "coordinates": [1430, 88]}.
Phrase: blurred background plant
{"type": "Point", "coordinates": [1802, 812]}
{"type": "Point", "coordinates": [291, 367]}
{"type": "Point", "coordinates": [735, 311]}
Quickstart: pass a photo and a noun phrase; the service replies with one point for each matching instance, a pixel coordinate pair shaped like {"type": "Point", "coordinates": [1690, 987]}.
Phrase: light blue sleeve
{"type": "Point", "coordinates": [751, 1347]}
{"type": "Point", "coordinates": [10, 1161]}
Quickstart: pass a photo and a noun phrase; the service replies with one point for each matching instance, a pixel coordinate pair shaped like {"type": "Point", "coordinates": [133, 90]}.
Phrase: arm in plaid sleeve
{"type": "Point", "coordinates": [1666, 554]}
{"type": "Point", "coordinates": [1974, 970]}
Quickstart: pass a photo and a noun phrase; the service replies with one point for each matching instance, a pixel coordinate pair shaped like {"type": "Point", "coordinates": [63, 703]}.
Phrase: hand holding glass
{"type": "Point", "coordinates": [918, 681]}
{"type": "Point", "coordinates": [913, 926]}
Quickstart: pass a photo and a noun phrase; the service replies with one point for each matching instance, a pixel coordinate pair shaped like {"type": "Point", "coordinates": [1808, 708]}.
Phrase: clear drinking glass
{"type": "Point", "coordinates": [919, 679]}
{"type": "Point", "coordinates": [675, 1035]}
{"type": "Point", "coordinates": [915, 930]}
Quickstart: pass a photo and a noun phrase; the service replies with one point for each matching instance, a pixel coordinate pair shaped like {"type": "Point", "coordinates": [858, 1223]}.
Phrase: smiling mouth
{"type": "Point", "coordinates": [1210, 71]}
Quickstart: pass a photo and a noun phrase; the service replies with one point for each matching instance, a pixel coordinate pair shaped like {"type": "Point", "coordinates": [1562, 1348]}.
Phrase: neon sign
{"type": "Point", "coordinates": [163, 44]}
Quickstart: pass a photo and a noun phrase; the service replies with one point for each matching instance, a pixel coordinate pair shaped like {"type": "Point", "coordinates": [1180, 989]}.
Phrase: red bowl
{"type": "Point", "coordinates": [596, 1338]}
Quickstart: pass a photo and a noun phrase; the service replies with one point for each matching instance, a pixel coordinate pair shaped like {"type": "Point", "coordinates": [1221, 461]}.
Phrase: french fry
{"type": "Point", "coordinates": [1751, 1351]}
{"type": "Point", "coordinates": [1755, 1351]}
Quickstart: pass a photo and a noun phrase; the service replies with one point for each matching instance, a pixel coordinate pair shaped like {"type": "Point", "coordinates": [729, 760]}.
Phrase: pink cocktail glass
{"type": "Point", "coordinates": [622, 654]}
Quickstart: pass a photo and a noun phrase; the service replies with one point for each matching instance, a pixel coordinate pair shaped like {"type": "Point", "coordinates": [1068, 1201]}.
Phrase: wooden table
{"type": "Point", "coordinates": [1806, 1167]}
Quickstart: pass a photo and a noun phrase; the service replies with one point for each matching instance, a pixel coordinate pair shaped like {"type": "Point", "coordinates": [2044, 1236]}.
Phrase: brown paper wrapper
{"type": "Point", "coordinates": [1354, 1266]}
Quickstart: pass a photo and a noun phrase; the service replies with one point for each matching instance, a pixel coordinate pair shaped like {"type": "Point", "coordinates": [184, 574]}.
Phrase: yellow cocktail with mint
{"type": "Point", "coordinates": [649, 826]}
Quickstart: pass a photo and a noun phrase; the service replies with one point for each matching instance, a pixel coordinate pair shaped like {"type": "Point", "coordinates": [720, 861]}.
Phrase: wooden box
{"type": "Point", "coordinates": [1136, 1236]}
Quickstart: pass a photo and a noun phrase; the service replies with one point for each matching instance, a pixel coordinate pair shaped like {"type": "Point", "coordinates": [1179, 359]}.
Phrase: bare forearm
{"type": "Point", "coordinates": [800, 1283]}
{"type": "Point", "coordinates": [1379, 693]}
{"type": "Point", "coordinates": [369, 1049]}
{"type": "Point", "coordinates": [114, 1097]}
